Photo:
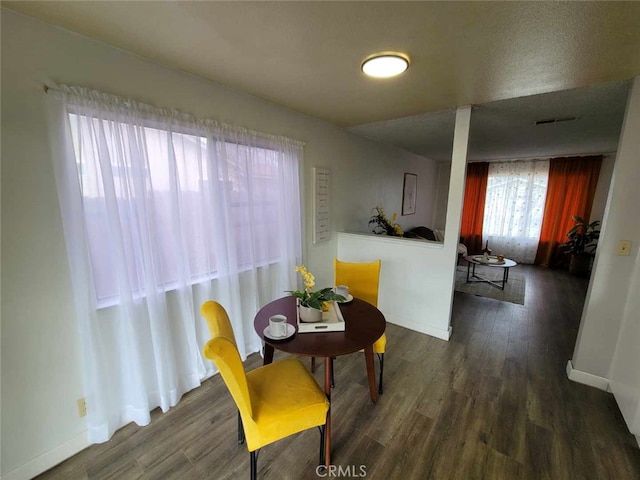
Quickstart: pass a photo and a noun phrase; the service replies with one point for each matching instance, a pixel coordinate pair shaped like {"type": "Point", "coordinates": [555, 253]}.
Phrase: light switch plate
{"type": "Point", "coordinates": [624, 247]}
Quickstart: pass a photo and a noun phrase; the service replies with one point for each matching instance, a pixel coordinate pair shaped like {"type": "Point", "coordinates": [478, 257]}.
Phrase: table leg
{"type": "Point", "coordinates": [497, 283]}
{"type": "Point", "coordinates": [268, 354]}
{"type": "Point", "coordinates": [371, 373]}
{"type": "Point", "coordinates": [327, 429]}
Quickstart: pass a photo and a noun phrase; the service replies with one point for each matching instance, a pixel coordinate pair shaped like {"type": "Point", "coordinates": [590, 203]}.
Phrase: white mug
{"type": "Point", "coordinates": [342, 290]}
{"type": "Point", "coordinates": [278, 325]}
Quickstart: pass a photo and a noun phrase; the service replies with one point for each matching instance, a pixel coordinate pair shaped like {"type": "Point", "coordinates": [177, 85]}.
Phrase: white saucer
{"type": "Point", "coordinates": [349, 299]}
{"type": "Point", "coordinates": [290, 331]}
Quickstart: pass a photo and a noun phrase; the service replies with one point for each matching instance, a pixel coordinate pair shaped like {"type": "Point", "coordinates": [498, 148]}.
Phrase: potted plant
{"type": "Point", "coordinates": [581, 245]}
{"type": "Point", "coordinates": [380, 224]}
{"type": "Point", "coordinates": [312, 303]}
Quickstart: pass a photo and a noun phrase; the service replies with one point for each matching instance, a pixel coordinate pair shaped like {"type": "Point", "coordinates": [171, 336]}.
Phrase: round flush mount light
{"type": "Point", "coordinates": [385, 64]}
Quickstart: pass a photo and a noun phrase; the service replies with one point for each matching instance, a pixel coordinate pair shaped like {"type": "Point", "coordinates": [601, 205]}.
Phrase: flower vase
{"type": "Point", "coordinates": [310, 315]}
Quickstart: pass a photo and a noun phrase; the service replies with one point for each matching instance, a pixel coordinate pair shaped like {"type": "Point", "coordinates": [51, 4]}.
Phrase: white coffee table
{"type": "Point", "coordinates": [493, 262]}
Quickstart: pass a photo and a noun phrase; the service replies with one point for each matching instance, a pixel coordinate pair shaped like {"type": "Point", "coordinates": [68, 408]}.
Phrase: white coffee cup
{"type": "Point", "coordinates": [342, 290]}
{"type": "Point", "coordinates": [278, 326]}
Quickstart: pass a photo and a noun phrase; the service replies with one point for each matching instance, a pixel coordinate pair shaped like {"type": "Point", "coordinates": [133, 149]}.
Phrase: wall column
{"type": "Point", "coordinates": [610, 301]}
{"type": "Point", "coordinates": [456, 194]}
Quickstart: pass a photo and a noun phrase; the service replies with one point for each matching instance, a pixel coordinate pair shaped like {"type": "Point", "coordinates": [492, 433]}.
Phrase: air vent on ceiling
{"type": "Point", "coordinates": [555, 120]}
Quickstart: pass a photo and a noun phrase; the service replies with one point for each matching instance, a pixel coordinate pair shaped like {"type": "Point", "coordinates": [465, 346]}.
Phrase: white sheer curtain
{"type": "Point", "coordinates": [514, 207]}
{"type": "Point", "coordinates": [162, 212]}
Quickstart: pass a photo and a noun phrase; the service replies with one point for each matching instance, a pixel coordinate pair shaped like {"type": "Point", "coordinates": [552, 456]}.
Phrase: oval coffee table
{"type": "Point", "coordinates": [493, 262]}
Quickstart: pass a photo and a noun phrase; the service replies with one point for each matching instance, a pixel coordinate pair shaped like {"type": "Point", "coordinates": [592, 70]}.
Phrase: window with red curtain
{"type": "Point", "coordinates": [571, 188]}
{"type": "Point", "coordinates": [473, 210]}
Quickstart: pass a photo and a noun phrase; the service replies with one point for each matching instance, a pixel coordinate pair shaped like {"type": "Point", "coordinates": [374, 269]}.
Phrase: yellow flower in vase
{"type": "Point", "coordinates": [308, 279]}
{"type": "Point", "coordinates": [311, 299]}
{"type": "Point", "coordinates": [380, 224]}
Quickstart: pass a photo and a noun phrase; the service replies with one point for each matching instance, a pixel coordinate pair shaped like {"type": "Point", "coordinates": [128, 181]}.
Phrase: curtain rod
{"type": "Point", "coordinates": [219, 123]}
{"type": "Point", "coordinates": [543, 157]}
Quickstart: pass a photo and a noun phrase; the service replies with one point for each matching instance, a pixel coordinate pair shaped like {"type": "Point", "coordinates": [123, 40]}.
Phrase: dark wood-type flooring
{"type": "Point", "coordinates": [492, 403]}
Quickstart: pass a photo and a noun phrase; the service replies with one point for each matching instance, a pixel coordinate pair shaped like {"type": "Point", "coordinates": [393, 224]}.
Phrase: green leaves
{"type": "Point", "coordinates": [582, 237]}
{"type": "Point", "coordinates": [313, 299]}
{"type": "Point", "coordinates": [318, 298]}
{"type": "Point", "coordinates": [380, 224]}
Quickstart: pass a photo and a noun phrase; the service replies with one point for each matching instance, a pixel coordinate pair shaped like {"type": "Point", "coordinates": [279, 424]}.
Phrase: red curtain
{"type": "Point", "coordinates": [475, 193]}
{"type": "Point", "coordinates": [571, 188]}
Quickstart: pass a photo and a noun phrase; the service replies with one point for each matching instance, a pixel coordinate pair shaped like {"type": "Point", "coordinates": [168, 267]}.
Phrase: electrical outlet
{"type": "Point", "coordinates": [82, 407]}
{"type": "Point", "coordinates": [624, 247]}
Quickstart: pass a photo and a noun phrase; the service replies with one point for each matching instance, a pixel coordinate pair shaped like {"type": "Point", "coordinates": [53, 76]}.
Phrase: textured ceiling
{"type": "Point", "coordinates": [307, 55]}
{"type": "Point", "coordinates": [507, 129]}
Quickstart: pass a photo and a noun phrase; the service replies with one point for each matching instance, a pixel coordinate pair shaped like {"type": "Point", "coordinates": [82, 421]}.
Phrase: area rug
{"type": "Point", "coordinates": [513, 292]}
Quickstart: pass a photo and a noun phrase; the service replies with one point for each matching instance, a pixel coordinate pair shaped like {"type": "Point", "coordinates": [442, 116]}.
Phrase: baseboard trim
{"type": "Point", "coordinates": [420, 328]}
{"type": "Point", "coordinates": [49, 459]}
{"type": "Point", "coordinates": [585, 378]}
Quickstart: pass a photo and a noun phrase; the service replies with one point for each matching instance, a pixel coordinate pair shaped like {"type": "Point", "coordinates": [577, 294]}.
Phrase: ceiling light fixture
{"type": "Point", "coordinates": [385, 64]}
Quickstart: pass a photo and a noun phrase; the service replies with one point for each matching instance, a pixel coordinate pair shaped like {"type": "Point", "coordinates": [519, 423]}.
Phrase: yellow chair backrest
{"type": "Point", "coordinates": [218, 320]}
{"type": "Point", "coordinates": [224, 353]}
{"type": "Point", "coordinates": [361, 278]}
{"type": "Point", "coordinates": [222, 349]}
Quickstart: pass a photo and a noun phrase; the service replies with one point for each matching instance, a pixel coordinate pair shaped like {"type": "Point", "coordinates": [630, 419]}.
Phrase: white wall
{"type": "Point", "coordinates": [442, 195]}
{"type": "Point", "coordinates": [41, 375]}
{"type": "Point", "coordinates": [364, 174]}
{"type": "Point", "coordinates": [607, 344]}
{"type": "Point", "coordinates": [624, 376]}
{"type": "Point", "coordinates": [414, 288]}
{"type": "Point", "coordinates": [602, 189]}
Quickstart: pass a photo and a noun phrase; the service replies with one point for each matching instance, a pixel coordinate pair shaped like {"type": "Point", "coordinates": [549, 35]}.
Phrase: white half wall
{"type": "Point", "coordinates": [414, 287]}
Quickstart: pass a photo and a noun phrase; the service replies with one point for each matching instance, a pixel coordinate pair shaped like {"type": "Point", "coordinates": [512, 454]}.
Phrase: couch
{"type": "Point", "coordinates": [425, 233]}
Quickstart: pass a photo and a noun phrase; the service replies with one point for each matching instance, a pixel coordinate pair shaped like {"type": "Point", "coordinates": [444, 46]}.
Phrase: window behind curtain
{"type": "Point", "coordinates": [177, 167]}
{"type": "Point", "coordinates": [161, 212]}
{"type": "Point", "coordinates": [514, 208]}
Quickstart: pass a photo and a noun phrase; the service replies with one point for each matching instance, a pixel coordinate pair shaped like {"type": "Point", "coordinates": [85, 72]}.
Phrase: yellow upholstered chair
{"type": "Point", "coordinates": [274, 401]}
{"type": "Point", "coordinates": [363, 280]}
{"type": "Point", "coordinates": [220, 326]}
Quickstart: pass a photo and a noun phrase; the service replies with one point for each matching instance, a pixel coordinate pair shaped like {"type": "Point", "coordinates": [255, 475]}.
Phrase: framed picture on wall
{"type": "Point", "coordinates": [409, 193]}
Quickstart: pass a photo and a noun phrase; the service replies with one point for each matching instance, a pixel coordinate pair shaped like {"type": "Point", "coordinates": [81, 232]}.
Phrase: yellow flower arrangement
{"type": "Point", "coordinates": [307, 277]}
{"type": "Point", "coordinates": [380, 224]}
{"type": "Point", "coordinates": [313, 299]}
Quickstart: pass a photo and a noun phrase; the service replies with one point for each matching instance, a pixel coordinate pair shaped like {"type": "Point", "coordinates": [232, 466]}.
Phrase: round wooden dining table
{"type": "Point", "coordinates": [364, 324]}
